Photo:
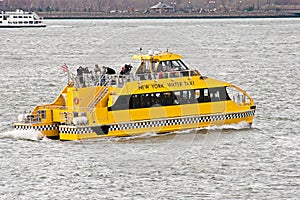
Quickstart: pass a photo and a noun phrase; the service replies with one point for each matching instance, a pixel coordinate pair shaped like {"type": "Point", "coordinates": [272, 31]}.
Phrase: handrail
{"type": "Point", "coordinates": [244, 93]}
{"type": "Point", "coordinates": [90, 79]}
{"type": "Point", "coordinates": [101, 92]}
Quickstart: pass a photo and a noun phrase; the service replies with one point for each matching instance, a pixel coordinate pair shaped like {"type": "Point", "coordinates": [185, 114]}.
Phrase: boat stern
{"type": "Point", "coordinates": [39, 123]}
{"type": "Point", "coordinates": [48, 130]}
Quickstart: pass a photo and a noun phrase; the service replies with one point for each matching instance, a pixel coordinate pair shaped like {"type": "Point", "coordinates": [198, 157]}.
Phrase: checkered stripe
{"type": "Point", "coordinates": [159, 123]}
{"type": "Point", "coordinates": [75, 130]}
{"type": "Point", "coordinates": [39, 127]}
{"type": "Point", "coordinates": [180, 121]}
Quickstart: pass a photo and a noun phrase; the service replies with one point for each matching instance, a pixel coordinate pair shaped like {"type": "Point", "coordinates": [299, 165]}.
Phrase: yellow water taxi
{"type": "Point", "coordinates": [161, 94]}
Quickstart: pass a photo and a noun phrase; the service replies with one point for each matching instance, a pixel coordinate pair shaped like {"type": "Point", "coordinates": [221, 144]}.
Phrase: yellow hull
{"type": "Point", "coordinates": [156, 126]}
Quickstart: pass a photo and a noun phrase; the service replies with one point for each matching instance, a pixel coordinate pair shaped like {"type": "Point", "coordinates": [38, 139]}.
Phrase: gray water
{"type": "Point", "coordinates": [229, 162]}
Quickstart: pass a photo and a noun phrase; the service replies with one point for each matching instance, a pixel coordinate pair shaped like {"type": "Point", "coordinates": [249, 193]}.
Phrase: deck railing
{"type": "Point", "coordinates": [117, 80]}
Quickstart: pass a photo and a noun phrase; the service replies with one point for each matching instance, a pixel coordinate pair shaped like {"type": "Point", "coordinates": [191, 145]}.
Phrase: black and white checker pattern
{"type": "Point", "coordinates": [180, 121]}
{"type": "Point", "coordinates": [41, 127]}
{"type": "Point", "coordinates": [75, 130]}
{"type": "Point", "coordinates": [157, 123]}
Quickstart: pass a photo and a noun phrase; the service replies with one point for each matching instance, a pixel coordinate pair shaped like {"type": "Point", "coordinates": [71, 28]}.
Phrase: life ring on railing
{"type": "Point", "coordinates": [76, 100]}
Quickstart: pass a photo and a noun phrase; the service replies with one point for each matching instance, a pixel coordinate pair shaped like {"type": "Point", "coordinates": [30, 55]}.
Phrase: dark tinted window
{"type": "Point", "coordinates": [169, 98]}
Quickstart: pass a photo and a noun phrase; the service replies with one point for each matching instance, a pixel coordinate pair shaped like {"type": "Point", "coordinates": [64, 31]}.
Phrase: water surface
{"type": "Point", "coordinates": [229, 162]}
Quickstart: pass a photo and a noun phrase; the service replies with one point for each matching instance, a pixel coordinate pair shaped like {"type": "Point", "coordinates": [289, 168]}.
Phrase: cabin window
{"type": "Point", "coordinates": [175, 65]}
{"type": "Point", "coordinates": [192, 98]}
{"type": "Point", "coordinates": [41, 114]}
{"type": "Point", "coordinates": [178, 65]}
{"type": "Point", "coordinates": [122, 103]}
{"type": "Point", "coordinates": [215, 96]}
{"type": "Point", "coordinates": [166, 66]}
{"type": "Point", "coordinates": [187, 96]}
{"type": "Point", "coordinates": [206, 97]}
{"type": "Point", "coordinates": [152, 65]}
{"type": "Point", "coordinates": [147, 66]}
{"type": "Point", "coordinates": [177, 97]}
{"type": "Point", "coordinates": [141, 68]}
{"type": "Point", "coordinates": [198, 95]}
{"type": "Point", "coordinates": [159, 67]}
{"type": "Point", "coordinates": [156, 97]}
{"type": "Point", "coordinates": [183, 66]}
{"type": "Point", "coordinates": [145, 100]}
{"type": "Point", "coordinates": [20, 16]}
{"type": "Point", "coordinates": [135, 101]}
{"type": "Point", "coordinates": [169, 98]}
{"type": "Point", "coordinates": [171, 65]}
{"type": "Point", "coordinates": [211, 95]}
{"type": "Point", "coordinates": [218, 94]}
{"type": "Point", "coordinates": [165, 98]}
{"type": "Point", "coordinates": [15, 16]}
{"type": "Point", "coordinates": [25, 16]}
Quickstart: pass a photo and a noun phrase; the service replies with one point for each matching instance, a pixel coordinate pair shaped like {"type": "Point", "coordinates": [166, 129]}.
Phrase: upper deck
{"type": "Point", "coordinates": [153, 66]}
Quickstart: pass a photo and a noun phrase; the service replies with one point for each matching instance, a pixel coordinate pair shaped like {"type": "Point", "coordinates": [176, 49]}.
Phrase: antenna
{"type": "Point", "coordinates": [140, 49]}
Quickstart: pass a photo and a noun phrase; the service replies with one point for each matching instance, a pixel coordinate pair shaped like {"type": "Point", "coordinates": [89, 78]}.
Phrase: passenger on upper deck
{"type": "Point", "coordinates": [97, 69]}
{"type": "Point", "coordinates": [122, 72]}
{"type": "Point", "coordinates": [79, 74]}
{"type": "Point", "coordinates": [126, 69]}
{"type": "Point", "coordinates": [108, 70]}
{"type": "Point", "coordinates": [86, 70]}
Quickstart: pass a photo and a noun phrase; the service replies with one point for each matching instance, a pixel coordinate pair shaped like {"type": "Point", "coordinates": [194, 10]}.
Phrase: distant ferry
{"type": "Point", "coordinates": [20, 18]}
{"type": "Point", "coordinates": [161, 94]}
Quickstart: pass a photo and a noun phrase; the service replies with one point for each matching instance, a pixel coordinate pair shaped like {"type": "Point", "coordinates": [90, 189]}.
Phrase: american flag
{"type": "Point", "coordinates": [65, 68]}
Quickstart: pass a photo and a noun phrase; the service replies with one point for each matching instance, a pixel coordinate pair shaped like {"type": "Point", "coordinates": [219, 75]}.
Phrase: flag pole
{"type": "Point", "coordinates": [65, 68]}
{"type": "Point", "coordinates": [68, 77]}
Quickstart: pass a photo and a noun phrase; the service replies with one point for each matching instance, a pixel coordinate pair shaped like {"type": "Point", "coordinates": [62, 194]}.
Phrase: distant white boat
{"type": "Point", "coordinates": [20, 18]}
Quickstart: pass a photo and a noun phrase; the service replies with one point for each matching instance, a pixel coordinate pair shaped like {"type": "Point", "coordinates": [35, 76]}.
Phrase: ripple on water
{"type": "Point", "coordinates": [259, 55]}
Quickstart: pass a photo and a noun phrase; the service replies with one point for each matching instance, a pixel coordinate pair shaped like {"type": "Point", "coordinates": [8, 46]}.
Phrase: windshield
{"type": "Point", "coordinates": [171, 65]}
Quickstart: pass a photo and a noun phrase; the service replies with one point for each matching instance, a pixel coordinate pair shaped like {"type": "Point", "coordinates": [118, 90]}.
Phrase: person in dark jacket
{"type": "Point", "coordinates": [79, 74]}
{"type": "Point", "coordinates": [109, 70]}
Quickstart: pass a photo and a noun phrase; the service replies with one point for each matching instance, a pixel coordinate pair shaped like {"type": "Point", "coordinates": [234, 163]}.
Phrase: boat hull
{"type": "Point", "coordinates": [48, 130]}
{"type": "Point", "coordinates": [156, 126]}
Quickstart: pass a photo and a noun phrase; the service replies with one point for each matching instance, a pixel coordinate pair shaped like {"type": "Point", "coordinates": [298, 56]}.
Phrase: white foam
{"type": "Point", "coordinates": [139, 136]}
{"type": "Point", "coordinates": [238, 126]}
{"type": "Point", "coordinates": [24, 134]}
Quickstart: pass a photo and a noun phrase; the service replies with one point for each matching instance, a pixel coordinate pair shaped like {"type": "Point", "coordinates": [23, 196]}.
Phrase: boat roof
{"type": "Point", "coordinates": [17, 12]}
{"type": "Point", "coordinates": [158, 56]}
